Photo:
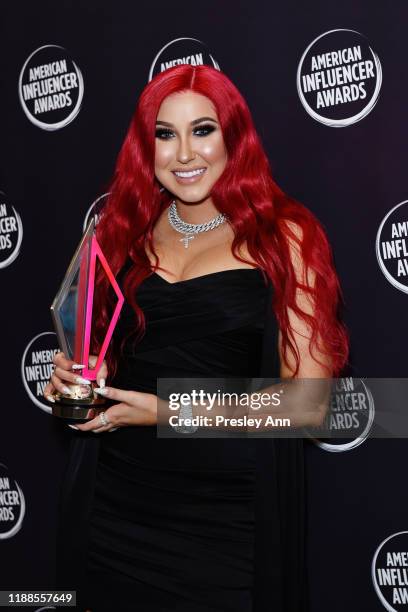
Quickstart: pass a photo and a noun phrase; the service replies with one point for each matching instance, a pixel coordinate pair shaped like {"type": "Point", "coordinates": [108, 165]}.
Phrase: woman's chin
{"type": "Point", "coordinates": [190, 196]}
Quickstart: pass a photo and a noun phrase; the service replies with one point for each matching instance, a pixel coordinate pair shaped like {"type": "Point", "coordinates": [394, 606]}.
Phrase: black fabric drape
{"type": "Point", "coordinates": [280, 529]}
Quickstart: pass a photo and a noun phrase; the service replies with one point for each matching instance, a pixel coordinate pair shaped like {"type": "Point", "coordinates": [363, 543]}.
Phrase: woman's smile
{"type": "Point", "coordinates": [189, 176]}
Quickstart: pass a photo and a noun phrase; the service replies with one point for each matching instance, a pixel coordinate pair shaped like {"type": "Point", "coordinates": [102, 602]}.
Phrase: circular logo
{"type": "Point", "coordinates": [11, 232]}
{"type": "Point", "coordinates": [389, 572]}
{"type": "Point", "coordinates": [391, 246]}
{"type": "Point", "coordinates": [50, 88]}
{"type": "Point", "coordinates": [95, 209]}
{"type": "Point", "coordinates": [339, 78]}
{"type": "Point", "coordinates": [12, 505]}
{"type": "Point", "coordinates": [182, 51]}
{"type": "Point", "coordinates": [37, 367]}
{"type": "Point", "coordinates": [351, 412]}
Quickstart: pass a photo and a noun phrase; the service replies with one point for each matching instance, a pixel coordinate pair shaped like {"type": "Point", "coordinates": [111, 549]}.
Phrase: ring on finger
{"type": "Point", "coordinates": [103, 419]}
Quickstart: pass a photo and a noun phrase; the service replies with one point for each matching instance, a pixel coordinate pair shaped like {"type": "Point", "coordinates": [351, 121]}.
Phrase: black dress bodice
{"type": "Point", "coordinates": [209, 325]}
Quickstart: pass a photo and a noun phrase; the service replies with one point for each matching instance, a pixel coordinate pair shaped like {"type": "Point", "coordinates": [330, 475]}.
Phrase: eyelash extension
{"type": "Point", "coordinates": [163, 133]}
{"type": "Point", "coordinates": [208, 128]}
{"type": "Point", "coordinates": [166, 134]}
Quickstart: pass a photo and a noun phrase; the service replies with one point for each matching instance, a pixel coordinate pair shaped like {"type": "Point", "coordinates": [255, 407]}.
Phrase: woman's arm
{"type": "Point", "coordinates": [309, 367]}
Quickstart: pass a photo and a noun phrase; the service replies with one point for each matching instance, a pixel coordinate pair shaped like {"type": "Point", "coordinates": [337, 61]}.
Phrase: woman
{"type": "Point", "coordinates": [249, 289]}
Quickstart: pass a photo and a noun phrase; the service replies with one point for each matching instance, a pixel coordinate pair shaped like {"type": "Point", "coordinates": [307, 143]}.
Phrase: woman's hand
{"type": "Point", "coordinates": [134, 408]}
{"type": "Point", "coordinates": [67, 371]}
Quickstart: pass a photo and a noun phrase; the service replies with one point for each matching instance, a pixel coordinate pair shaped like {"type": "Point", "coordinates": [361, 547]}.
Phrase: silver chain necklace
{"type": "Point", "coordinates": [189, 229]}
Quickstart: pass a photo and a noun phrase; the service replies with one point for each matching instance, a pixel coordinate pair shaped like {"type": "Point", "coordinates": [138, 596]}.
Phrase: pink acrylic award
{"type": "Point", "coordinates": [73, 311]}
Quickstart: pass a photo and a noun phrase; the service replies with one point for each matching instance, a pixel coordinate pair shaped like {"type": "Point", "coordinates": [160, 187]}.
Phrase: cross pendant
{"type": "Point", "coordinates": [185, 239]}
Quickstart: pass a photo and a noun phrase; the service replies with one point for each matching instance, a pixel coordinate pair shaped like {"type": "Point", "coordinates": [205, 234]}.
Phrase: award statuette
{"type": "Point", "coordinates": [73, 311]}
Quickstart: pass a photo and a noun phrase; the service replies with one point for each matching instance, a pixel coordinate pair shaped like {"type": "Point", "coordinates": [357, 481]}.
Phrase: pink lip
{"type": "Point", "coordinates": [191, 179]}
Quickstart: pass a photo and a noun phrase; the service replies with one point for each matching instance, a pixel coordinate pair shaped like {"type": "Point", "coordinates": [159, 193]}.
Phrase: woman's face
{"type": "Point", "coordinates": [190, 154]}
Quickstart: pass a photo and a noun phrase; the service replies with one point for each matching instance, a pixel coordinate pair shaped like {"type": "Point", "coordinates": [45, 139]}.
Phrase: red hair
{"type": "Point", "coordinates": [260, 213]}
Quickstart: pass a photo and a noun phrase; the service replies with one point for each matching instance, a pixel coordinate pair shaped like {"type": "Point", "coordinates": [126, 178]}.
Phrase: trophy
{"type": "Point", "coordinates": [73, 312]}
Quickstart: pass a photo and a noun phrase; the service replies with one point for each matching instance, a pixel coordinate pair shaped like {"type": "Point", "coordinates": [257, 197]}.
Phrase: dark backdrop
{"type": "Point", "coordinates": [349, 177]}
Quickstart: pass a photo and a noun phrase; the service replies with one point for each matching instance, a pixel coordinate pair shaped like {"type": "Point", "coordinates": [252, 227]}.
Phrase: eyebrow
{"type": "Point", "coordinates": [195, 122]}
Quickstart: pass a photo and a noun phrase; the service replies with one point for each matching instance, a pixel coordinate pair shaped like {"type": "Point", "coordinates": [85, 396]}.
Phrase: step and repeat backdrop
{"type": "Point", "coordinates": [327, 83]}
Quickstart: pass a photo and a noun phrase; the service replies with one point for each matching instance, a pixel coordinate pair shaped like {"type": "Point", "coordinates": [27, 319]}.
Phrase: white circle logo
{"type": "Point", "coordinates": [351, 411]}
{"type": "Point", "coordinates": [391, 246]}
{"type": "Point", "coordinates": [11, 232]}
{"type": "Point", "coordinates": [12, 505]}
{"type": "Point", "coordinates": [389, 572]}
{"type": "Point", "coordinates": [50, 88]}
{"type": "Point", "coordinates": [182, 51]}
{"type": "Point", "coordinates": [37, 367]}
{"type": "Point", "coordinates": [339, 78]}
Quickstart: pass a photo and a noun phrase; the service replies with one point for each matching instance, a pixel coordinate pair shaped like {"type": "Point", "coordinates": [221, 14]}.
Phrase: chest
{"type": "Point", "coordinates": [205, 253]}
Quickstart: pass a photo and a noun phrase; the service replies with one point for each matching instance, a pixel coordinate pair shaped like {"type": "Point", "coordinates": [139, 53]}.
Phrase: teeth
{"type": "Point", "coordinates": [189, 174]}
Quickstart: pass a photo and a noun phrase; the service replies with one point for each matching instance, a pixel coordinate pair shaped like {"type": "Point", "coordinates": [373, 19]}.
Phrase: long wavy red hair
{"type": "Point", "coordinates": [260, 213]}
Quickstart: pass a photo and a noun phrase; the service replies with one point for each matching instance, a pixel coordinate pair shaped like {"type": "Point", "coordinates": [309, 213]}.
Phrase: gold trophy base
{"type": "Point", "coordinates": [77, 408]}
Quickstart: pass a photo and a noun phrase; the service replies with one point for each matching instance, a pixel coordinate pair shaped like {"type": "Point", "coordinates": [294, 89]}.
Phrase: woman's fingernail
{"type": "Point", "coordinates": [82, 381]}
{"type": "Point", "coordinates": [78, 366]}
{"type": "Point", "coordinates": [103, 391]}
{"type": "Point", "coordinates": [102, 383]}
{"type": "Point", "coordinates": [113, 429]}
{"type": "Point", "coordinates": [66, 391]}
{"type": "Point", "coordinates": [51, 399]}
{"type": "Point", "coordinates": [73, 426]}
{"type": "Point", "coordinates": [95, 431]}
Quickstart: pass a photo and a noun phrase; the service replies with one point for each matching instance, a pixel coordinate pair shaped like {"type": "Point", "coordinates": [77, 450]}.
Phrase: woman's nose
{"type": "Point", "coordinates": [185, 152]}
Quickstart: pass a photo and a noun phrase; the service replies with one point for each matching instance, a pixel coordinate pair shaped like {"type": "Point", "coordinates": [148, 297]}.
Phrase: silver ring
{"type": "Point", "coordinates": [103, 419]}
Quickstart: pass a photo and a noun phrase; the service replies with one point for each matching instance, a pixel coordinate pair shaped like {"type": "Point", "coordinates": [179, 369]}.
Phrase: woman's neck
{"type": "Point", "coordinates": [197, 212]}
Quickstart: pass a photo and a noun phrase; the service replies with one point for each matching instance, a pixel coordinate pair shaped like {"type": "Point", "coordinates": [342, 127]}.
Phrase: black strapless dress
{"type": "Point", "coordinates": [188, 524]}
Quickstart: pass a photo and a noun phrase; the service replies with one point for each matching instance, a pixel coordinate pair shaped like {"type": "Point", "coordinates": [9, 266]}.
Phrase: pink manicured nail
{"type": "Point", "coordinates": [66, 391]}
{"type": "Point", "coordinates": [73, 426]}
{"type": "Point", "coordinates": [102, 383]}
{"type": "Point", "coordinates": [78, 366]}
{"type": "Point", "coordinates": [103, 391]}
{"type": "Point", "coordinates": [51, 399]}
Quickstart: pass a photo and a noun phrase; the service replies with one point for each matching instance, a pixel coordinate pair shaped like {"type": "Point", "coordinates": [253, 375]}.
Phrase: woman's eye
{"type": "Point", "coordinates": [204, 130]}
{"type": "Point", "coordinates": [164, 134]}
{"type": "Point", "coordinates": [167, 134]}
